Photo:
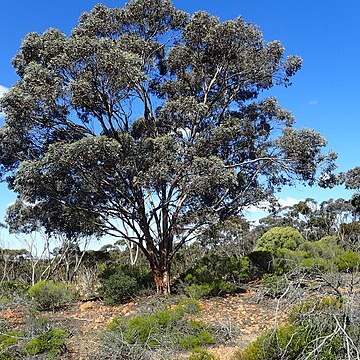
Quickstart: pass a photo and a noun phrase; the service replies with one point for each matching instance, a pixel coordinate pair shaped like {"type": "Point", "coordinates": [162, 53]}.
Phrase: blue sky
{"type": "Point", "coordinates": [324, 96]}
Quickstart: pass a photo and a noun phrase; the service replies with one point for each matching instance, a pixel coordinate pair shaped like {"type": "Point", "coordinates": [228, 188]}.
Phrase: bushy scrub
{"type": "Point", "coordinates": [8, 341]}
{"type": "Point", "coordinates": [216, 275]}
{"type": "Point", "coordinates": [279, 238]}
{"type": "Point", "coordinates": [312, 257]}
{"type": "Point", "coordinates": [49, 295]}
{"type": "Point", "coordinates": [167, 328]}
{"type": "Point", "coordinates": [37, 338]}
{"type": "Point", "coordinates": [276, 284]}
{"type": "Point", "coordinates": [261, 262]}
{"type": "Point", "coordinates": [326, 329]}
{"type": "Point", "coordinates": [52, 342]}
{"type": "Point", "coordinates": [13, 292]}
{"type": "Point", "coordinates": [201, 354]}
{"type": "Point", "coordinates": [119, 284]}
{"type": "Point", "coordinates": [118, 288]}
{"type": "Point", "coordinates": [12, 287]}
{"type": "Point", "coordinates": [210, 289]}
{"type": "Point", "coordinates": [349, 261]}
{"type": "Point", "coordinates": [327, 247]}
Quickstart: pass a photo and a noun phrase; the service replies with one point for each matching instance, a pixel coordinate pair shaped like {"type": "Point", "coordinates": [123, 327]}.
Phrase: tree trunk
{"type": "Point", "coordinates": [162, 280]}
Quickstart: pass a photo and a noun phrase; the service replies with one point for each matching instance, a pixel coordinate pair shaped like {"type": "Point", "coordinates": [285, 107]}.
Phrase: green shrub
{"type": "Point", "coordinates": [216, 275]}
{"type": "Point", "coordinates": [287, 260]}
{"type": "Point", "coordinates": [275, 284]}
{"type": "Point", "coordinates": [118, 288]}
{"type": "Point", "coordinates": [312, 333]}
{"type": "Point", "coordinates": [13, 293]}
{"type": "Point", "coordinates": [190, 306]}
{"type": "Point", "coordinates": [214, 288]}
{"type": "Point", "coordinates": [215, 267]}
{"type": "Point", "coordinates": [50, 295]}
{"type": "Point", "coordinates": [284, 343]}
{"type": "Point", "coordinates": [201, 354]}
{"type": "Point", "coordinates": [316, 264]}
{"type": "Point", "coordinates": [9, 288]}
{"type": "Point", "coordinates": [322, 255]}
{"type": "Point", "coordinates": [119, 283]}
{"type": "Point", "coordinates": [36, 324]}
{"type": "Point", "coordinates": [348, 261]}
{"type": "Point", "coordinates": [51, 342]}
{"type": "Point", "coordinates": [326, 248]}
{"type": "Point", "coordinates": [279, 237]}
{"type": "Point", "coordinates": [8, 340]}
{"type": "Point", "coordinates": [167, 328]}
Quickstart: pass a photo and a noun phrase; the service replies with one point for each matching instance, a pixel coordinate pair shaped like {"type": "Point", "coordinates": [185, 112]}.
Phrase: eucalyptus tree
{"type": "Point", "coordinates": [351, 179]}
{"type": "Point", "coordinates": [150, 124]}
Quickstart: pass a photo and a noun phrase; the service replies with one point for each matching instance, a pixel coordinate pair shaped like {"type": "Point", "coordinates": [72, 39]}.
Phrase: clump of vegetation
{"type": "Point", "coordinates": [118, 288]}
{"type": "Point", "coordinates": [120, 283]}
{"type": "Point", "coordinates": [276, 285]}
{"type": "Point", "coordinates": [8, 341]}
{"type": "Point", "coordinates": [201, 354]}
{"type": "Point", "coordinates": [169, 328]}
{"type": "Point", "coordinates": [49, 295]}
{"type": "Point", "coordinates": [326, 329]}
{"type": "Point", "coordinates": [215, 275]}
{"type": "Point", "coordinates": [13, 292]}
{"type": "Point", "coordinates": [52, 342]}
{"type": "Point", "coordinates": [279, 238]}
{"type": "Point", "coordinates": [37, 337]}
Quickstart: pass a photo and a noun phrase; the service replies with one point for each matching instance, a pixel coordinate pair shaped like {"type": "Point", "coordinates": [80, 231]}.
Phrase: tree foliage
{"type": "Point", "coordinates": [147, 123]}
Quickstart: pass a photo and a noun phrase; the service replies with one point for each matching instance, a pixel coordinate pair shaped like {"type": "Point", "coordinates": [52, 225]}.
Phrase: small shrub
{"type": "Point", "coordinates": [326, 248]}
{"type": "Point", "coordinates": [275, 284]}
{"type": "Point", "coordinates": [201, 354]}
{"type": "Point", "coordinates": [51, 342]}
{"type": "Point", "coordinates": [120, 283]}
{"type": "Point", "coordinates": [13, 293]}
{"type": "Point", "coordinates": [285, 341]}
{"type": "Point", "coordinates": [49, 295]}
{"type": "Point", "coordinates": [8, 340]}
{"type": "Point", "coordinates": [196, 335]}
{"type": "Point", "coordinates": [316, 264]}
{"type": "Point", "coordinates": [313, 333]}
{"type": "Point", "coordinates": [287, 260]}
{"type": "Point", "coordinates": [36, 324]}
{"type": "Point", "coordinates": [348, 261]}
{"type": "Point", "coordinates": [168, 328]}
{"type": "Point", "coordinates": [118, 288]}
{"type": "Point", "coordinates": [216, 275]}
{"type": "Point", "coordinates": [279, 237]}
{"type": "Point", "coordinates": [190, 306]}
{"type": "Point", "coordinates": [214, 288]}
{"type": "Point", "coordinates": [12, 287]}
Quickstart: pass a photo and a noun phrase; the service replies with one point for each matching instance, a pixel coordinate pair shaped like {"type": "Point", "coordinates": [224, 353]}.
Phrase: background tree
{"type": "Point", "coordinates": [147, 119]}
{"type": "Point", "coordinates": [351, 180]}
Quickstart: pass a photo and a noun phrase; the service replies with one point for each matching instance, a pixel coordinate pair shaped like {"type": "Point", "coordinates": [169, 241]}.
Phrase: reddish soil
{"type": "Point", "coordinates": [239, 316]}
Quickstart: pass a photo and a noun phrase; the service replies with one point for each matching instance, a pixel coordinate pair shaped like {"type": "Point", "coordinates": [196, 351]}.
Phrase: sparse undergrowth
{"type": "Point", "coordinates": [320, 329]}
{"type": "Point", "coordinates": [167, 329]}
{"type": "Point", "coordinates": [38, 338]}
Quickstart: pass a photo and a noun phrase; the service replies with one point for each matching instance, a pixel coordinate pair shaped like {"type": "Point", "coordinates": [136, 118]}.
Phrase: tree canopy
{"type": "Point", "coordinates": [150, 124]}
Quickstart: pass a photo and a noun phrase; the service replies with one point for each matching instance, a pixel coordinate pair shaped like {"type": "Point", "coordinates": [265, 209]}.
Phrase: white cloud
{"type": "Point", "coordinates": [3, 90]}
{"type": "Point", "coordinates": [312, 102]}
{"type": "Point", "coordinates": [289, 201]}
{"type": "Point", "coordinates": [256, 212]}
{"type": "Point", "coordinates": [261, 207]}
